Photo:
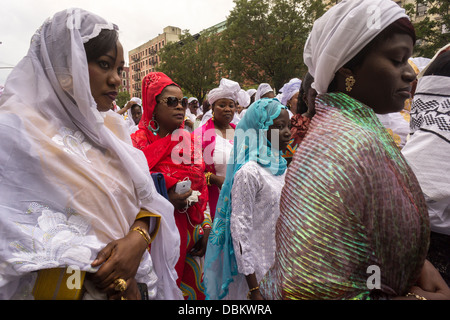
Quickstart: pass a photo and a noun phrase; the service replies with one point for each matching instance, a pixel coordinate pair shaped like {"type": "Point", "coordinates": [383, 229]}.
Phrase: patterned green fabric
{"type": "Point", "coordinates": [350, 204]}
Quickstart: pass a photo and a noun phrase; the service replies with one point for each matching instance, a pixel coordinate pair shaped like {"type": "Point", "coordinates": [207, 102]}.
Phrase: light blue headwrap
{"type": "Point", "coordinates": [250, 144]}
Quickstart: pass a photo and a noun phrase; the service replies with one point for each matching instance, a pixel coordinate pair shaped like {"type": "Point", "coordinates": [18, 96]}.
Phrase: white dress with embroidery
{"type": "Point", "coordinates": [255, 210]}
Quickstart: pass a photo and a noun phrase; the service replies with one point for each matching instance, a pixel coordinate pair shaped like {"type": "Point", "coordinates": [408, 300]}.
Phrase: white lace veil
{"type": "Point", "coordinates": [50, 131]}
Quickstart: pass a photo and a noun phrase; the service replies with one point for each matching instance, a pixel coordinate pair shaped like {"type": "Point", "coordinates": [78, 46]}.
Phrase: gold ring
{"type": "Point", "coordinates": [121, 285]}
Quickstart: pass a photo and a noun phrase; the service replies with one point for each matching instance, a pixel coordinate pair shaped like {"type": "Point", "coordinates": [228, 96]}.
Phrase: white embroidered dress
{"type": "Point", "coordinates": [70, 179]}
{"type": "Point", "coordinates": [256, 207]}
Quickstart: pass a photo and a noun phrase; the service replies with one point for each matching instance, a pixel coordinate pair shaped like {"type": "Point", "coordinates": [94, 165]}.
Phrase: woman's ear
{"type": "Point", "coordinates": [341, 79]}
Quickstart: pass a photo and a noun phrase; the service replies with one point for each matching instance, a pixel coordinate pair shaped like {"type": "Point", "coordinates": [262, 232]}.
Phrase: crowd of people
{"type": "Point", "coordinates": [312, 191]}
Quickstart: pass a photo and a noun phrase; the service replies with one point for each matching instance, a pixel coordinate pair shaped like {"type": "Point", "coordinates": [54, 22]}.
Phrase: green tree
{"type": "Point", "coordinates": [264, 39]}
{"type": "Point", "coordinates": [122, 98]}
{"type": "Point", "coordinates": [433, 29]}
{"type": "Point", "coordinates": [192, 62]}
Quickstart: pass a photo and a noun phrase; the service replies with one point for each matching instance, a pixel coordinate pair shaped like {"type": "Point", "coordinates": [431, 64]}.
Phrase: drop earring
{"type": "Point", "coordinates": [154, 130]}
{"type": "Point", "coordinates": [349, 83]}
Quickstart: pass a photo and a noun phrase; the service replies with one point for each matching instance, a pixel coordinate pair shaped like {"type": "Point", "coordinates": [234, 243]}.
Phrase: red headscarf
{"type": "Point", "coordinates": [159, 150]}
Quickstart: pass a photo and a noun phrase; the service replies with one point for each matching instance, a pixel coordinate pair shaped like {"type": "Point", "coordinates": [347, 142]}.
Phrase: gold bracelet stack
{"type": "Point", "coordinates": [249, 294]}
{"type": "Point", "coordinates": [143, 233]}
{"type": "Point", "coordinates": [208, 177]}
{"type": "Point", "coordinates": [415, 296]}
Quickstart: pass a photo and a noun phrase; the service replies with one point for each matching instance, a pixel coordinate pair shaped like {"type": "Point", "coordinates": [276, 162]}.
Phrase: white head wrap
{"type": "Point", "coordinates": [228, 89]}
{"type": "Point", "coordinates": [341, 33]}
{"type": "Point", "coordinates": [71, 179]}
{"type": "Point", "coordinates": [243, 99]}
{"type": "Point", "coordinates": [251, 92]}
{"type": "Point", "coordinates": [289, 90]}
{"type": "Point", "coordinates": [192, 99]}
{"type": "Point", "coordinates": [263, 88]}
{"type": "Point", "coordinates": [131, 125]}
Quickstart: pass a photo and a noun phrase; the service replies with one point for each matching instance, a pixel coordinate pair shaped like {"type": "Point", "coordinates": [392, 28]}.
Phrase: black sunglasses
{"type": "Point", "coordinates": [171, 102]}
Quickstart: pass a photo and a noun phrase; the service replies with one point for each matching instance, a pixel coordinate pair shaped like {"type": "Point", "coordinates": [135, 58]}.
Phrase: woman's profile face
{"type": "Point", "coordinates": [281, 129]}
{"type": "Point", "coordinates": [383, 80]}
{"type": "Point", "coordinates": [104, 77]}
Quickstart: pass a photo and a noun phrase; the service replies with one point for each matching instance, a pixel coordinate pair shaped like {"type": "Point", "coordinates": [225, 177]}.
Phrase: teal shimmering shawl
{"type": "Point", "coordinates": [353, 223]}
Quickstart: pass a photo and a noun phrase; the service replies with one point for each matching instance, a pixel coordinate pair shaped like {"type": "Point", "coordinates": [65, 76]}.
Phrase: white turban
{"type": "Point", "coordinates": [341, 33]}
{"type": "Point", "coordinates": [243, 99]}
{"type": "Point", "coordinates": [262, 90]}
{"type": "Point", "coordinates": [228, 89]}
{"type": "Point", "coordinates": [251, 92]}
{"type": "Point", "coordinates": [289, 90]}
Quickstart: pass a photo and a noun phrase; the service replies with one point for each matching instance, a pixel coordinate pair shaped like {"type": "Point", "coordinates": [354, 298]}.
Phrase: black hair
{"type": "Point", "coordinates": [134, 106]}
{"type": "Point", "coordinates": [302, 107]}
{"type": "Point", "coordinates": [440, 66]}
{"type": "Point", "coordinates": [101, 44]}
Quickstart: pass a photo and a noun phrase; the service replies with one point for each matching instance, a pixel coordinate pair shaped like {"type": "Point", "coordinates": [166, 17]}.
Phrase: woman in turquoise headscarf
{"type": "Point", "coordinates": [241, 245]}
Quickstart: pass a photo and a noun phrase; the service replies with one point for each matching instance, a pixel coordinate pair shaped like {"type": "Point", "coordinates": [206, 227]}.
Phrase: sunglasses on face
{"type": "Point", "coordinates": [171, 102]}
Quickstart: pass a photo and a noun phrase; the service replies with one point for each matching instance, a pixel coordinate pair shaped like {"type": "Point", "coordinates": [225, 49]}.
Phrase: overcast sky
{"type": "Point", "coordinates": [138, 20]}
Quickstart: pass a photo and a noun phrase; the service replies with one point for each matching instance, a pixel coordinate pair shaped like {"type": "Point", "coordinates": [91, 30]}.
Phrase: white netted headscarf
{"type": "Point", "coordinates": [65, 162]}
{"type": "Point", "coordinates": [341, 33]}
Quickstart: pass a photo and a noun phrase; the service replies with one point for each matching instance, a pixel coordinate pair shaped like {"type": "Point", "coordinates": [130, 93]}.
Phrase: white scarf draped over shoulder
{"type": "Point", "coordinates": [71, 181]}
{"type": "Point", "coordinates": [341, 33]}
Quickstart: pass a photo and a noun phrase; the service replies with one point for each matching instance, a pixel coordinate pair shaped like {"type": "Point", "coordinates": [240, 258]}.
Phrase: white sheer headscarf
{"type": "Point", "coordinates": [341, 33]}
{"type": "Point", "coordinates": [71, 181]}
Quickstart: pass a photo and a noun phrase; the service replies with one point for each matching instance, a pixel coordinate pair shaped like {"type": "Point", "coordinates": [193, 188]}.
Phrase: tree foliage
{"type": "Point", "coordinates": [433, 31]}
{"type": "Point", "coordinates": [264, 39]}
{"type": "Point", "coordinates": [122, 98]}
{"type": "Point", "coordinates": [192, 62]}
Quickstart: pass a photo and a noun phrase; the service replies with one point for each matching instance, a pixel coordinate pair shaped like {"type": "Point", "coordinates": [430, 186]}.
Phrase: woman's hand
{"type": "Point", "coordinates": [189, 123]}
{"type": "Point", "coordinates": [131, 293]}
{"type": "Point", "coordinates": [217, 180]}
{"type": "Point", "coordinates": [120, 259]}
{"type": "Point", "coordinates": [199, 248]}
{"type": "Point", "coordinates": [179, 201]}
{"type": "Point", "coordinates": [430, 284]}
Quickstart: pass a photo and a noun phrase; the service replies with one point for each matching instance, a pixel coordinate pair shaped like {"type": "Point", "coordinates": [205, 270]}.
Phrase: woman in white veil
{"type": "Point", "coordinates": [76, 198]}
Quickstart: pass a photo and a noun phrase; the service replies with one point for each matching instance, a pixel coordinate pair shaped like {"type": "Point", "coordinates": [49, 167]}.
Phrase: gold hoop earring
{"type": "Point", "coordinates": [349, 83]}
{"type": "Point", "coordinates": [212, 116]}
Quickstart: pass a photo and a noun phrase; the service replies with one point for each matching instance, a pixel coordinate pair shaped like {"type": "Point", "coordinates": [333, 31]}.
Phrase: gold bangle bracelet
{"type": "Point", "coordinates": [249, 294]}
{"type": "Point", "coordinates": [415, 296]}
{"type": "Point", "coordinates": [208, 177]}
{"type": "Point", "coordinates": [143, 233]}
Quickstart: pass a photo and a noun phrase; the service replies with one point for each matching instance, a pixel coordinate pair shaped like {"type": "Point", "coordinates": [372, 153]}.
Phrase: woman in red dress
{"type": "Point", "coordinates": [170, 150]}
